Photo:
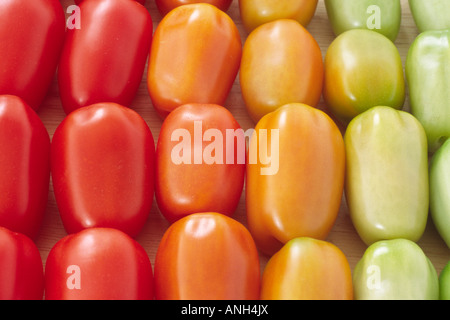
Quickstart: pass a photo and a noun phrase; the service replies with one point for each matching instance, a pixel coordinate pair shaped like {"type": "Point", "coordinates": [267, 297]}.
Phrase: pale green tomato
{"type": "Point", "coordinates": [444, 283]}
{"type": "Point", "coordinates": [427, 72]}
{"type": "Point", "coordinates": [395, 269]}
{"type": "Point", "coordinates": [440, 191]}
{"type": "Point", "coordinates": [387, 187]}
{"type": "Point", "coordinates": [382, 16]}
{"type": "Point", "coordinates": [430, 14]}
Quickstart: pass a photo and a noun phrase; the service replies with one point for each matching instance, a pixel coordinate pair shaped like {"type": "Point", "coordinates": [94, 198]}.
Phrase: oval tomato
{"type": "Point", "coordinates": [440, 191]}
{"type": "Point", "coordinates": [105, 59]}
{"type": "Point", "coordinates": [307, 269]}
{"type": "Point", "coordinates": [164, 6]}
{"type": "Point", "coordinates": [281, 63]}
{"type": "Point", "coordinates": [257, 12]}
{"type": "Point", "coordinates": [200, 161]}
{"type": "Point", "coordinates": [444, 283]}
{"type": "Point", "coordinates": [387, 181]}
{"type": "Point", "coordinates": [363, 69]}
{"type": "Point", "coordinates": [430, 15]}
{"type": "Point", "coordinates": [382, 16]}
{"type": "Point", "coordinates": [21, 269]}
{"type": "Point", "coordinates": [294, 188]}
{"type": "Point", "coordinates": [31, 38]}
{"type": "Point", "coordinates": [396, 269]}
{"type": "Point", "coordinates": [103, 168]}
{"type": "Point", "coordinates": [98, 264]}
{"type": "Point", "coordinates": [24, 167]}
{"type": "Point", "coordinates": [427, 67]}
{"type": "Point", "coordinates": [207, 256]}
{"type": "Point", "coordinates": [195, 57]}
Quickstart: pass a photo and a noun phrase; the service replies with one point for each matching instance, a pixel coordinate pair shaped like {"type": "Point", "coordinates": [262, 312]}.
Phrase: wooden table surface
{"type": "Point", "coordinates": [343, 233]}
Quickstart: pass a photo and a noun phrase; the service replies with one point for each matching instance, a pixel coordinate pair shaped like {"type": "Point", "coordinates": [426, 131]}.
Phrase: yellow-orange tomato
{"type": "Point", "coordinates": [295, 176]}
{"type": "Point", "coordinates": [363, 69]}
{"type": "Point", "coordinates": [165, 6]}
{"type": "Point", "coordinates": [307, 269]}
{"type": "Point", "coordinates": [195, 57]}
{"type": "Point", "coordinates": [207, 256]}
{"type": "Point", "coordinates": [281, 63]}
{"type": "Point", "coordinates": [257, 12]}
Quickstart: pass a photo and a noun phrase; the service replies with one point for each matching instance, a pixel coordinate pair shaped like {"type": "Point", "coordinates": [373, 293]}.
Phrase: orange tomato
{"type": "Point", "coordinates": [165, 6]}
{"type": "Point", "coordinates": [302, 198]}
{"type": "Point", "coordinates": [207, 256]}
{"type": "Point", "coordinates": [195, 57]}
{"type": "Point", "coordinates": [307, 269]}
{"type": "Point", "coordinates": [257, 12]}
{"type": "Point", "coordinates": [198, 167]}
{"type": "Point", "coordinates": [281, 63]}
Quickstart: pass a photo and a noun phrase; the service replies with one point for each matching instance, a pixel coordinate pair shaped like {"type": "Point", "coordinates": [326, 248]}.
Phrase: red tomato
{"type": "Point", "coordinates": [104, 60]}
{"type": "Point", "coordinates": [207, 256]}
{"type": "Point", "coordinates": [31, 38]}
{"type": "Point", "coordinates": [77, 2]}
{"type": "Point", "coordinates": [98, 264]}
{"type": "Point", "coordinates": [21, 270]}
{"type": "Point", "coordinates": [164, 6]}
{"type": "Point", "coordinates": [199, 165]}
{"type": "Point", "coordinates": [195, 57]}
{"type": "Point", "coordinates": [24, 167]}
{"type": "Point", "coordinates": [103, 168]}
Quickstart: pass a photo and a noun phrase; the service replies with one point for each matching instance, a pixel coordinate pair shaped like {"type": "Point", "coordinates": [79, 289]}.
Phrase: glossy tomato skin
{"type": "Point", "coordinates": [103, 168]}
{"type": "Point", "coordinates": [98, 264]}
{"type": "Point", "coordinates": [21, 269]}
{"type": "Point", "coordinates": [195, 58]}
{"type": "Point", "coordinates": [104, 60]}
{"type": "Point", "coordinates": [24, 167]}
{"type": "Point", "coordinates": [202, 184]}
{"type": "Point", "coordinates": [363, 69]}
{"type": "Point", "coordinates": [207, 256]}
{"type": "Point", "coordinates": [31, 39]}
{"type": "Point", "coordinates": [165, 6]}
{"type": "Point", "coordinates": [300, 195]}
{"type": "Point", "coordinates": [307, 269]}
{"type": "Point", "coordinates": [266, 83]}
{"type": "Point", "coordinates": [257, 12]}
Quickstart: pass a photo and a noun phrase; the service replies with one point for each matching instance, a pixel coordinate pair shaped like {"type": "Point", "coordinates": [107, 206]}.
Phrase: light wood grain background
{"type": "Point", "coordinates": [343, 233]}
